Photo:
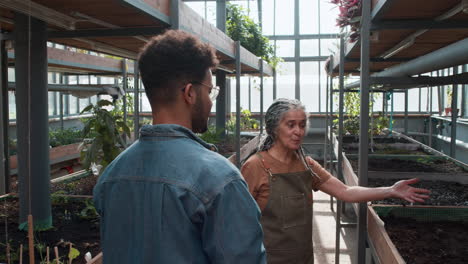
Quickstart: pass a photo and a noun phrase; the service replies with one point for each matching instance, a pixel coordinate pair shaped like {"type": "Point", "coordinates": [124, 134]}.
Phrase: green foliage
{"type": "Point", "coordinates": [73, 254]}
{"type": "Point", "coordinates": [12, 148]}
{"type": "Point", "coordinates": [241, 27]}
{"type": "Point", "coordinates": [118, 109]}
{"type": "Point", "coordinates": [211, 135]}
{"type": "Point", "coordinates": [107, 143]}
{"type": "Point", "coordinates": [58, 197]}
{"type": "Point", "coordinates": [352, 108]}
{"type": "Point", "coordinates": [246, 122]}
{"type": "Point", "coordinates": [59, 137]}
{"type": "Point", "coordinates": [89, 211]}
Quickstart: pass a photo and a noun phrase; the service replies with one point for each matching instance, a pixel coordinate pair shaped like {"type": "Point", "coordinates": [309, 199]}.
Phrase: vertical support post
{"type": "Point", "coordinates": [364, 128]}
{"type": "Point", "coordinates": [136, 97]}
{"type": "Point", "coordinates": [332, 147]}
{"type": "Point", "coordinates": [221, 102]}
{"type": "Point", "coordinates": [238, 98]}
{"type": "Point", "coordinates": [221, 15]}
{"type": "Point", "coordinates": [124, 87]}
{"type": "Point", "coordinates": [297, 51]}
{"type": "Point", "coordinates": [440, 96]}
{"type": "Point", "coordinates": [261, 95]}
{"type": "Point", "coordinates": [221, 109]}
{"type": "Point", "coordinates": [260, 11]}
{"type": "Point", "coordinates": [430, 116]}
{"type": "Point", "coordinates": [250, 94]}
{"type": "Point", "coordinates": [4, 119]}
{"type": "Point", "coordinates": [406, 112]}
{"type": "Point", "coordinates": [62, 80]}
{"type": "Point", "coordinates": [464, 101]}
{"type": "Point", "coordinates": [340, 146]}
{"type": "Point", "coordinates": [67, 97]}
{"type": "Point", "coordinates": [61, 111]}
{"type": "Point", "coordinates": [32, 121]}
{"type": "Point", "coordinates": [275, 86]}
{"type": "Point", "coordinates": [175, 14]}
{"type": "Point", "coordinates": [454, 106]}
{"type": "Point", "coordinates": [325, 143]}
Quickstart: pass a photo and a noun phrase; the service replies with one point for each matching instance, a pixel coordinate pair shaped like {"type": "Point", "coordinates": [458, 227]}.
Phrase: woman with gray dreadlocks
{"type": "Point", "coordinates": [281, 180]}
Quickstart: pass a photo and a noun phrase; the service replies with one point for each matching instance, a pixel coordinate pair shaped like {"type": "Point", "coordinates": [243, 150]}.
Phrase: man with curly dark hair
{"type": "Point", "coordinates": [169, 198]}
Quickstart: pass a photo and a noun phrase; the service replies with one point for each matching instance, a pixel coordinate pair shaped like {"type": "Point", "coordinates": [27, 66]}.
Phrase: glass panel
{"type": "Point", "coordinates": [211, 12]}
{"type": "Point", "coordinates": [284, 24]}
{"type": "Point", "coordinates": [398, 102]}
{"type": "Point", "coordinates": [309, 47]}
{"type": "Point", "coordinates": [285, 48]}
{"type": "Point", "coordinates": [198, 7]}
{"type": "Point", "coordinates": [267, 17]}
{"type": "Point", "coordinates": [84, 102]}
{"type": "Point", "coordinates": [413, 100]}
{"type": "Point", "coordinates": [11, 105]}
{"type": "Point", "coordinates": [323, 87]}
{"type": "Point", "coordinates": [328, 15]}
{"type": "Point", "coordinates": [11, 74]}
{"type": "Point", "coordinates": [310, 85]}
{"type": "Point", "coordinates": [328, 46]}
{"type": "Point", "coordinates": [51, 103]}
{"type": "Point", "coordinates": [73, 105]}
{"type": "Point", "coordinates": [286, 80]}
{"type": "Point", "coordinates": [308, 17]}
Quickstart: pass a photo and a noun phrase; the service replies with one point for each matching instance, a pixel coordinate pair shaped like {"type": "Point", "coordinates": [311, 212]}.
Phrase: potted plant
{"type": "Point", "coordinates": [103, 139]}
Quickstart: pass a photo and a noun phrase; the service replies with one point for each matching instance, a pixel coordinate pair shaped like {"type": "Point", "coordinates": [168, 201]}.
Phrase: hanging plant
{"type": "Point", "coordinates": [350, 15]}
{"type": "Point", "coordinates": [240, 27]}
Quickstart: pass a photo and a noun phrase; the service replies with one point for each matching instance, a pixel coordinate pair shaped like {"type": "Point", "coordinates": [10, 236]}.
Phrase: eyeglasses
{"type": "Point", "coordinates": [214, 90]}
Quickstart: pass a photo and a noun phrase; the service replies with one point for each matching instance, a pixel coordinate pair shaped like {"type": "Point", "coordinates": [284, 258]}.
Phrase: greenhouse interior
{"type": "Point", "coordinates": [383, 86]}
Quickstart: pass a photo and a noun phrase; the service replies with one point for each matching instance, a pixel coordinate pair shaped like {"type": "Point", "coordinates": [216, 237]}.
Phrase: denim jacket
{"type": "Point", "coordinates": [169, 199]}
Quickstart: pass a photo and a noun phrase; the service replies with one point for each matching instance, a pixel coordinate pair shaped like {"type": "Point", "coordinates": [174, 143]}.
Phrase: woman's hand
{"type": "Point", "coordinates": [402, 190]}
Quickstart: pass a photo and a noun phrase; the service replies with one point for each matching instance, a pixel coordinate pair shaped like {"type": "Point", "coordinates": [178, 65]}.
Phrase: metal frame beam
{"type": "Point", "coordinates": [106, 32]}
{"type": "Point", "coordinates": [414, 82]}
{"type": "Point", "coordinates": [417, 24]}
{"type": "Point", "coordinates": [364, 127]}
{"type": "Point", "coordinates": [238, 97]}
{"type": "Point", "coordinates": [4, 116]}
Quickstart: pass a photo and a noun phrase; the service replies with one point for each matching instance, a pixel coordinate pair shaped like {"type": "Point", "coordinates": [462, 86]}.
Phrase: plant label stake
{"type": "Point", "coordinates": [8, 253]}
{"type": "Point", "coordinates": [56, 255]}
{"type": "Point", "coordinates": [47, 256]}
{"type": "Point", "coordinates": [21, 254]}
{"type": "Point", "coordinates": [31, 239]}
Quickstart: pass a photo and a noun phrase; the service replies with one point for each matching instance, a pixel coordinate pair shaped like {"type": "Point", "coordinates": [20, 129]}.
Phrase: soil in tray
{"type": "Point", "coordinates": [71, 224]}
{"type": "Point", "coordinates": [443, 242]}
{"type": "Point", "coordinates": [442, 193]}
{"type": "Point", "coordinates": [82, 186]}
{"type": "Point", "coordinates": [379, 140]}
{"type": "Point", "coordinates": [400, 165]}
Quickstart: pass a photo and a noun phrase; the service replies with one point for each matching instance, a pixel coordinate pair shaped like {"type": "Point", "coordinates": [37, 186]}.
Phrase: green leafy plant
{"type": "Point", "coordinates": [241, 27]}
{"type": "Point", "coordinates": [246, 122]}
{"type": "Point", "coordinates": [59, 137]}
{"type": "Point", "coordinates": [59, 197]}
{"type": "Point", "coordinates": [89, 211]}
{"type": "Point", "coordinates": [106, 145]}
{"type": "Point", "coordinates": [212, 135]}
{"type": "Point", "coordinates": [12, 148]}
{"type": "Point", "coordinates": [352, 108]}
{"type": "Point", "coordinates": [73, 254]}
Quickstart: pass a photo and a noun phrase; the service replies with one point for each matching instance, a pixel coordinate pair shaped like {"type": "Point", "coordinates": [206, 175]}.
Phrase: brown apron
{"type": "Point", "coordinates": [287, 217]}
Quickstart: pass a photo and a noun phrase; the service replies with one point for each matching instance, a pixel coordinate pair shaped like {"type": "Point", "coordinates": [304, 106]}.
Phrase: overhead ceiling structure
{"type": "Point", "coordinates": [122, 27]}
{"type": "Point", "coordinates": [405, 30]}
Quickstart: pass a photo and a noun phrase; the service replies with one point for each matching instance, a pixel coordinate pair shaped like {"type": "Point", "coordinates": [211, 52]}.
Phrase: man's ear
{"type": "Point", "coordinates": [189, 94]}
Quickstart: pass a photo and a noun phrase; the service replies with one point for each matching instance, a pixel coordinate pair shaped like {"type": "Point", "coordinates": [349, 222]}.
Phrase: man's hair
{"type": "Point", "coordinates": [172, 60]}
